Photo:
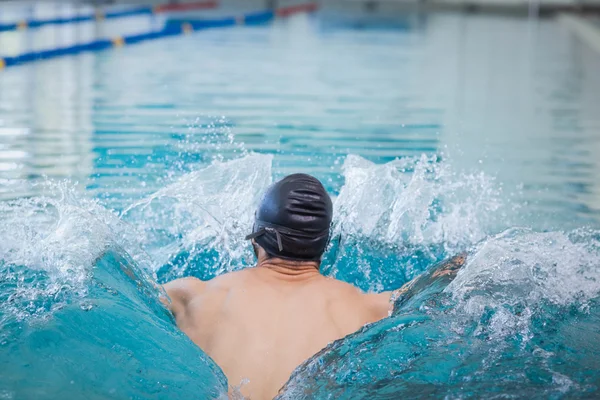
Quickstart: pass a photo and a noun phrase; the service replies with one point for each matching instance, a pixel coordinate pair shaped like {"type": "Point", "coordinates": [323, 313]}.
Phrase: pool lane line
{"type": "Point", "coordinates": [96, 16]}
{"type": "Point", "coordinates": [172, 28]}
{"type": "Point", "coordinates": [256, 18]}
{"type": "Point", "coordinates": [100, 15]}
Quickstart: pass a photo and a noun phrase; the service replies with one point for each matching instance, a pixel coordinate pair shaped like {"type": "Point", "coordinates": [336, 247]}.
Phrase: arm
{"type": "Point", "coordinates": [384, 302]}
{"type": "Point", "coordinates": [447, 270]}
{"type": "Point", "coordinates": [180, 292]}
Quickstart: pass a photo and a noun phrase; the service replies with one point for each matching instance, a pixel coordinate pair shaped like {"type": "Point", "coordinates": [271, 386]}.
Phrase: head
{"type": "Point", "coordinates": [293, 220]}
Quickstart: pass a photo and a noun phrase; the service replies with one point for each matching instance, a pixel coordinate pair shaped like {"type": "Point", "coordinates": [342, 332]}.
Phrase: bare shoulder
{"type": "Point", "coordinates": [230, 277]}
{"type": "Point", "coordinates": [338, 287]}
{"type": "Point", "coordinates": [185, 284]}
{"type": "Point", "coordinates": [182, 290]}
{"type": "Point", "coordinates": [379, 304]}
{"type": "Point", "coordinates": [376, 305]}
{"type": "Point", "coordinates": [185, 288]}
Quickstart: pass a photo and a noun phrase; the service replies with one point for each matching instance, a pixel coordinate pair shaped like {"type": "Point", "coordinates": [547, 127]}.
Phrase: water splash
{"type": "Point", "coordinates": [196, 225]}
{"type": "Point", "coordinates": [118, 342]}
{"type": "Point", "coordinates": [48, 248]}
{"type": "Point", "coordinates": [207, 132]}
{"type": "Point", "coordinates": [410, 212]}
{"type": "Point", "coordinates": [514, 275]}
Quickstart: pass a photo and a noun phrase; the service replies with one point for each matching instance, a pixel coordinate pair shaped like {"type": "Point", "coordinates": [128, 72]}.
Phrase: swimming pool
{"type": "Point", "coordinates": [444, 133]}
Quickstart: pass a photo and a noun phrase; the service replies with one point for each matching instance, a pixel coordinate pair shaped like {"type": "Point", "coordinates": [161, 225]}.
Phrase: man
{"type": "Point", "coordinates": [260, 323]}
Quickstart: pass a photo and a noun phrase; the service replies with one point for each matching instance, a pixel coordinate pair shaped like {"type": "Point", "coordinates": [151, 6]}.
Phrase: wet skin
{"type": "Point", "coordinates": [260, 323]}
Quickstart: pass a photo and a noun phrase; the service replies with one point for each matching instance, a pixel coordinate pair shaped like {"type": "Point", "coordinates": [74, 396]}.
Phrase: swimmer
{"type": "Point", "coordinates": [260, 323]}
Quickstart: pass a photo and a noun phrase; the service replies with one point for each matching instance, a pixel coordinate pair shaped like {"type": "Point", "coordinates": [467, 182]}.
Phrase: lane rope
{"type": "Point", "coordinates": [101, 15]}
{"type": "Point", "coordinates": [172, 28]}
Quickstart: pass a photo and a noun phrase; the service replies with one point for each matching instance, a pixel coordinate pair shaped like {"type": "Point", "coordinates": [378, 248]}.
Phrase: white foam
{"type": "Point", "coordinates": [60, 235]}
{"type": "Point", "coordinates": [521, 270]}
{"type": "Point", "coordinates": [212, 208]}
{"type": "Point", "coordinates": [417, 201]}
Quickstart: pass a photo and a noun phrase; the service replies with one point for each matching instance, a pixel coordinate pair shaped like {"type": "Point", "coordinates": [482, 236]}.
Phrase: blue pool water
{"type": "Point", "coordinates": [442, 134]}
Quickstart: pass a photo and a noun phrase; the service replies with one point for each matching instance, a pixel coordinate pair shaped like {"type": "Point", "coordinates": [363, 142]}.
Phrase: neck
{"type": "Point", "coordinates": [289, 270]}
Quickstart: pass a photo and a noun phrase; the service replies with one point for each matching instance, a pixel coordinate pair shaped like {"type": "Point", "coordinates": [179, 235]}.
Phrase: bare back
{"type": "Point", "coordinates": [259, 325]}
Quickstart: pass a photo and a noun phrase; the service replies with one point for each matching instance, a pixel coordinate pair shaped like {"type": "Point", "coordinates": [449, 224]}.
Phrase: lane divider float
{"type": "Point", "coordinates": [297, 8]}
{"type": "Point", "coordinates": [100, 15]}
{"type": "Point", "coordinates": [118, 41]}
{"type": "Point", "coordinates": [187, 28]}
{"type": "Point", "coordinates": [173, 27]}
{"type": "Point", "coordinates": [199, 5]}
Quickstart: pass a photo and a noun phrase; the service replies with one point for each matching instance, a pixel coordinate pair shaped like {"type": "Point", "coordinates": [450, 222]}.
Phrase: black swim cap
{"type": "Point", "coordinates": [293, 219]}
